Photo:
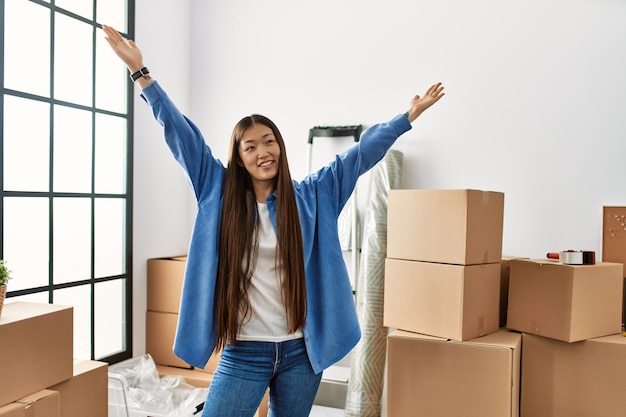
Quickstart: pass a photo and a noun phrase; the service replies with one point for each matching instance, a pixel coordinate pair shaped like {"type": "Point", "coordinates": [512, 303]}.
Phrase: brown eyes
{"type": "Point", "coordinates": [268, 142]}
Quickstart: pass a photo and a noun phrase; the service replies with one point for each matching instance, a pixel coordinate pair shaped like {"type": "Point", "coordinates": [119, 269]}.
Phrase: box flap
{"type": "Point", "coordinates": [19, 310]}
{"type": "Point", "coordinates": [37, 396]}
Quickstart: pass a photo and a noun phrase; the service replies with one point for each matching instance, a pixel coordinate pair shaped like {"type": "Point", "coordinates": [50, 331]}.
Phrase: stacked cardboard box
{"type": "Point", "coordinates": [442, 272]}
{"type": "Point", "coordinates": [39, 375]}
{"type": "Point", "coordinates": [431, 376]}
{"type": "Point", "coordinates": [165, 282]}
{"type": "Point", "coordinates": [505, 274]}
{"type": "Point", "coordinates": [442, 294]}
{"type": "Point", "coordinates": [86, 393]}
{"type": "Point", "coordinates": [44, 403]}
{"type": "Point", "coordinates": [565, 302]}
{"type": "Point", "coordinates": [574, 354]}
{"type": "Point", "coordinates": [585, 378]}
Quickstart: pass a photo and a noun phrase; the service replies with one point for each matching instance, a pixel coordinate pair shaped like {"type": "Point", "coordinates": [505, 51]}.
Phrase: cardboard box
{"type": "Point", "coordinates": [584, 378]}
{"type": "Point", "coordinates": [36, 348]}
{"type": "Point", "coordinates": [44, 403]}
{"type": "Point", "coordinates": [458, 302]}
{"type": "Point", "coordinates": [565, 302]}
{"type": "Point", "coordinates": [449, 226]}
{"type": "Point", "coordinates": [505, 272]}
{"type": "Point", "coordinates": [431, 377]}
{"type": "Point", "coordinates": [86, 393]}
{"type": "Point", "coordinates": [165, 283]}
{"type": "Point", "coordinates": [160, 333]}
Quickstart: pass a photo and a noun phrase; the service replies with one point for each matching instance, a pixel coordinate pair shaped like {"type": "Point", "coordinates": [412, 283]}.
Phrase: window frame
{"type": "Point", "coordinates": [50, 194]}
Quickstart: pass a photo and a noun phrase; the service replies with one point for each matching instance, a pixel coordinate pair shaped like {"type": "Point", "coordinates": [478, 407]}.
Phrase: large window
{"type": "Point", "coordinates": [66, 166]}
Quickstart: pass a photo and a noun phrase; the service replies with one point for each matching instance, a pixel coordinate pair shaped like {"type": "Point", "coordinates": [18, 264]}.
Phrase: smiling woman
{"type": "Point", "coordinates": [266, 283]}
{"type": "Point", "coordinates": [66, 173]}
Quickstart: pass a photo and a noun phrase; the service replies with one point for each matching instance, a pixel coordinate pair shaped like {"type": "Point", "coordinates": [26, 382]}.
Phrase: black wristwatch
{"type": "Point", "coordinates": [141, 73]}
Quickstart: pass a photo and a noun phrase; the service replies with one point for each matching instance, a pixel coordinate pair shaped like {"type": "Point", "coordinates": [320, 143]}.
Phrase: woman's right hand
{"type": "Point", "coordinates": [126, 50]}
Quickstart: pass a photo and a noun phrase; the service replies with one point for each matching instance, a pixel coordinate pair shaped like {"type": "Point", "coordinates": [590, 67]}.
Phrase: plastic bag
{"type": "Point", "coordinates": [146, 392]}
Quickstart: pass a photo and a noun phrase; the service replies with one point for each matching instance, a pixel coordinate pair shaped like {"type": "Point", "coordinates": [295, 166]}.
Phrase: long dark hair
{"type": "Point", "coordinates": [238, 241]}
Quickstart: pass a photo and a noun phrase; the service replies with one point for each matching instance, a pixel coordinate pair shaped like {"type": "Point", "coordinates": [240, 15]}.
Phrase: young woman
{"type": "Point", "coordinates": [265, 283]}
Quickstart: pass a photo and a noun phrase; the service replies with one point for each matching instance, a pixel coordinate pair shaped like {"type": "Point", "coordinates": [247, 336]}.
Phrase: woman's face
{"type": "Point", "coordinates": [259, 152]}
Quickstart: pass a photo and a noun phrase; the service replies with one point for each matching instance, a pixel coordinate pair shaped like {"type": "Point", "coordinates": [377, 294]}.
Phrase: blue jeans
{"type": "Point", "coordinates": [247, 369]}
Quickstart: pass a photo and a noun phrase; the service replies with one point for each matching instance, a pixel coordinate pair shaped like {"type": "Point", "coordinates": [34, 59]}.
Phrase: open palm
{"type": "Point", "coordinates": [126, 50]}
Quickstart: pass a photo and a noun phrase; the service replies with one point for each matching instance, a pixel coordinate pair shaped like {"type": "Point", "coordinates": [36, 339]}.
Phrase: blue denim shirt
{"type": "Point", "coordinates": [332, 328]}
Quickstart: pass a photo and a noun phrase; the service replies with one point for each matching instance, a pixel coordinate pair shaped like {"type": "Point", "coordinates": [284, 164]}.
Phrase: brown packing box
{"type": "Point", "coordinates": [165, 282]}
{"type": "Point", "coordinates": [582, 379]}
{"type": "Point", "coordinates": [430, 376]}
{"type": "Point", "coordinates": [449, 226]}
{"type": "Point", "coordinates": [86, 393]}
{"type": "Point", "coordinates": [160, 333]}
{"type": "Point", "coordinates": [198, 378]}
{"type": "Point", "coordinates": [565, 302]}
{"type": "Point", "coordinates": [44, 403]}
{"type": "Point", "coordinates": [505, 273]}
{"type": "Point", "coordinates": [36, 348]}
{"type": "Point", "coordinates": [458, 302]}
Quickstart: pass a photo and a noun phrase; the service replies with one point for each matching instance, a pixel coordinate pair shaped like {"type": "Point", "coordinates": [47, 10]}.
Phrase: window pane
{"type": "Point", "coordinates": [27, 47]}
{"type": "Point", "coordinates": [80, 299]}
{"type": "Point", "coordinates": [111, 77]}
{"type": "Point", "coordinates": [73, 60]}
{"type": "Point", "coordinates": [110, 320]}
{"type": "Point", "coordinates": [26, 144]}
{"type": "Point", "coordinates": [26, 241]}
{"type": "Point", "coordinates": [72, 239]}
{"type": "Point", "coordinates": [110, 224]}
{"type": "Point", "coordinates": [64, 140]}
{"type": "Point", "coordinates": [110, 154]}
{"type": "Point", "coordinates": [113, 13]}
{"type": "Point", "coordinates": [80, 7]}
{"type": "Point", "coordinates": [72, 150]}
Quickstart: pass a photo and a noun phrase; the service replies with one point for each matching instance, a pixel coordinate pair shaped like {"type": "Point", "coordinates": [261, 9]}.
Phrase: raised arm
{"type": "Point", "coordinates": [128, 52]}
{"type": "Point", "coordinates": [182, 136]}
{"type": "Point", "coordinates": [419, 104]}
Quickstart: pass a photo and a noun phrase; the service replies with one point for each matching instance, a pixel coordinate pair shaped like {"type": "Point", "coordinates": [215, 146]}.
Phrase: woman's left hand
{"type": "Point", "coordinates": [421, 103]}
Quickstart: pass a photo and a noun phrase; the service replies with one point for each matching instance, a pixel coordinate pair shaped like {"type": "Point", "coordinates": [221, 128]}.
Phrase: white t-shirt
{"type": "Point", "coordinates": [267, 321]}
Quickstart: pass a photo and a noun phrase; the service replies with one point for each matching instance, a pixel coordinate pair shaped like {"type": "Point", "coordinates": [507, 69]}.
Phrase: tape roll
{"type": "Point", "coordinates": [574, 257]}
{"type": "Point", "coordinates": [589, 257]}
{"type": "Point", "coordinates": [571, 257]}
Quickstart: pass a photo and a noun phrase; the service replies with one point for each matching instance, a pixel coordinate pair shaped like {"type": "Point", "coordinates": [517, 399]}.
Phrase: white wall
{"type": "Point", "coordinates": [535, 102]}
{"type": "Point", "coordinates": [161, 197]}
